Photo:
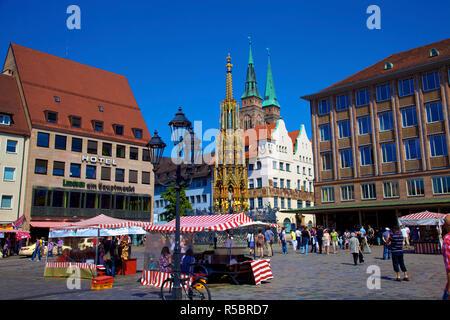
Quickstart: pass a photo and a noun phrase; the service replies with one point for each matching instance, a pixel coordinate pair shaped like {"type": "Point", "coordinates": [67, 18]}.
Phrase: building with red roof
{"type": "Point", "coordinates": [87, 152]}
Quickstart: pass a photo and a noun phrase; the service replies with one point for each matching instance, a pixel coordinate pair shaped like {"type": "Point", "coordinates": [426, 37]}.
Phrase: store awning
{"type": "Point", "coordinates": [217, 222]}
{"type": "Point", "coordinates": [46, 224]}
{"type": "Point", "coordinates": [424, 218]}
{"type": "Point", "coordinates": [101, 222]}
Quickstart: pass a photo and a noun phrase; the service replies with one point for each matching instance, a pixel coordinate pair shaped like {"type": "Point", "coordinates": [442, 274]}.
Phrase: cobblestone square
{"type": "Point", "coordinates": [296, 277]}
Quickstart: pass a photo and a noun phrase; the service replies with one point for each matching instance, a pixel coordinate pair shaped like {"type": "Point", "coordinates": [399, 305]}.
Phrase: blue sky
{"type": "Point", "coordinates": [173, 52]}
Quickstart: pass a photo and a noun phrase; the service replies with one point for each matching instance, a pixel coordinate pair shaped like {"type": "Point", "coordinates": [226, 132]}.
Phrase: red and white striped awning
{"type": "Point", "coordinates": [102, 222]}
{"type": "Point", "coordinates": [217, 222]}
{"type": "Point", "coordinates": [424, 218]}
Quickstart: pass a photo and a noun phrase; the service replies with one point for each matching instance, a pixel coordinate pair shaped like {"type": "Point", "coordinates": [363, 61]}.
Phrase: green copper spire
{"type": "Point", "coordinates": [270, 98]}
{"type": "Point", "coordinates": [251, 88]}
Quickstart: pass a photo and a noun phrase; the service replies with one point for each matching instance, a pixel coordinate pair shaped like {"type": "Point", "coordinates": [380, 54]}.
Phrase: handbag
{"type": "Point", "coordinates": [107, 256]}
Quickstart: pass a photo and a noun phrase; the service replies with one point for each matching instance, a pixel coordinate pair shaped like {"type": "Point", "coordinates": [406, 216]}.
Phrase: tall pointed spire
{"type": "Point", "coordinates": [229, 93]}
{"type": "Point", "coordinates": [270, 98]}
{"type": "Point", "coordinates": [251, 87]}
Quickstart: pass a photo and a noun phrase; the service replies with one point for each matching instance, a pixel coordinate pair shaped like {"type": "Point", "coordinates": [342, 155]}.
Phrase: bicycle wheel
{"type": "Point", "coordinates": [166, 289]}
{"type": "Point", "coordinates": [198, 290]}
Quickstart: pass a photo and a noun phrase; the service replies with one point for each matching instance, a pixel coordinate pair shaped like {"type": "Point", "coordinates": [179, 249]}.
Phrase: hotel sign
{"type": "Point", "coordinates": [101, 160]}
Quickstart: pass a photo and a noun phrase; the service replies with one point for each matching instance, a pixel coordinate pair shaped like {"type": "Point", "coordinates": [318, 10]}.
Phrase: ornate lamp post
{"type": "Point", "coordinates": [179, 126]}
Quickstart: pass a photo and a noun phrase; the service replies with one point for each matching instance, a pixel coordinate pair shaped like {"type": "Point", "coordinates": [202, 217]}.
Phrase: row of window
{"type": "Point", "coordinates": [287, 167]}
{"type": "Point", "coordinates": [430, 81]}
{"type": "Point", "coordinates": [288, 184]}
{"type": "Point", "coordinates": [60, 143]}
{"type": "Point", "coordinates": [192, 199]}
{"type": "Point", "coordinates": [414, 187]}
{"type": "Point", "coordinates": [90, 200]}
{"type": "Point", "coordinates": [282, 204]}
{"type": "Point", "coordinates": [97, 125]}
{"type": "Point", "coordinates": [434, 113]}
{"type": "Point", "coordinates": [438, 148]}
{"type": "Point", "coordinates": [41, 167]}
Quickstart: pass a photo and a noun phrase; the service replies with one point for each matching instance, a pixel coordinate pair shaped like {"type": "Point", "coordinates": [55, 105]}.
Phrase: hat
{"type": "Point", "coordinates": [387, 229]}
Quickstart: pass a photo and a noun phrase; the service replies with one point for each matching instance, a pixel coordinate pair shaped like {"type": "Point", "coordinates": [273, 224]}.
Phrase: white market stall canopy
{"type": "Point", "coordinates": [217, 222]}
{"type": "Point", "coordinates": [100, 225]}
{"type": "Point", "coordinates": [424, 218]}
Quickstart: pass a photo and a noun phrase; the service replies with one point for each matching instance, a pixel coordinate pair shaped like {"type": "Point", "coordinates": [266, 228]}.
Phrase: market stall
{"type": "Point", "coordinates": [14, 239]}
{"type": "Point", "coordinates": [428, 227]}
{"type": "Point", "coordinates": [227, 259]}
{"type": "Point", "coordinates": [80, 243]}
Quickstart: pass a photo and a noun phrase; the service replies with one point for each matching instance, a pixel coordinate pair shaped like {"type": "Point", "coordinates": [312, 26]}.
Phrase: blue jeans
{"type": "Point", "coordinates": [387, 252]}
{"type": "Point", "coordinates": [284, 246]}
{"type": "Point", "coordinates": [38, 252]}
{"type": "Point", "coordinates": [313, 247]}
{"type": "Point", "coordinates": [305, 242]}
{"type": "Point", "coordinates": [299, 243]}
{"type": "Point", "coordinates": [110, 268]}
{"type": "Point", "coordinates": [445, 296]}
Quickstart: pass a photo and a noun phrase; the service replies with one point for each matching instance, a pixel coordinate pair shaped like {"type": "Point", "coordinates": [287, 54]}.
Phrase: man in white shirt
{"type": "Point", "coordinates": [405, 234]}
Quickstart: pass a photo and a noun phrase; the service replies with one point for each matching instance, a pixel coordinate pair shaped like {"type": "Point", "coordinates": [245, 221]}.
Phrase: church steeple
{"type": "Point", "coordinates": [251, 87]}
{"type": "Point", "coordinates": [270, 98]}
{"type": "Point", "coordinates": [270, 106]}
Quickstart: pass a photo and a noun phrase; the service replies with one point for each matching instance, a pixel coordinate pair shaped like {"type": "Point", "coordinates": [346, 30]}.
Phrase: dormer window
{"type": "Point", "coordinates": [100, 108]}
{"type": "Point", "coordinates": [118, 129]}
{"type": "Point", "coordinates": [5, 119]}
{"type": "Point", "coordinates": [75, 121]}
{"type": "Point", "coordinates": [57, 99]}
{"type": "Point", "coordinates": [51, 116]}
{"type": "Point", "coordinates": [433, 53]}
{"type": "Point", "coordinates": [137, 133]}
{"type": "Point", "coordinates": [388, 65]}
{"type": "Point", "coordinates": [98, 125]}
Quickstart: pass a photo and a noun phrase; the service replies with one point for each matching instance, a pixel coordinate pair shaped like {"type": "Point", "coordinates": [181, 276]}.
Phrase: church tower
{"type": "Point", "coordinates": [230, 170]}
{"type": "Point", "coordinates": [270, 106]}
{"type": "Point", "coordinates": [251, 111]}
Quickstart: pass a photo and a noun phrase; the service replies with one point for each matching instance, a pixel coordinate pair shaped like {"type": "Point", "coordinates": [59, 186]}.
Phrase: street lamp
{"type": "Point", "coordinates": [179, 126]}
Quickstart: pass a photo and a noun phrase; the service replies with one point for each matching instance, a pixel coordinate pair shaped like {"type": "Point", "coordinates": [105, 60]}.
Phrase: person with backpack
{"type": "Point", "coordinates": [260, 244]}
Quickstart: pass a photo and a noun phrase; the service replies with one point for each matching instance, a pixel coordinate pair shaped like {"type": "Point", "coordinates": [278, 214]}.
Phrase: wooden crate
{"type": "Point", "coordinates": [102, 282]}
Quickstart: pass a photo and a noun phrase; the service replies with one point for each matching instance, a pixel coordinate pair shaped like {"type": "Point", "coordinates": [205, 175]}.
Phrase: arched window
{"type": "Point", "coordinates": [287, 225]}
{"type": "Point", "coordinates": [433, 53]}
{"type": "Point", "coordinates": [258, 165]}
{"type": "Point", "coordinates": [388, 65]}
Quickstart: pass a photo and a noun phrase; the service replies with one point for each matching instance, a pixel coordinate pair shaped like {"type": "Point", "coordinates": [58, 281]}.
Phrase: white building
{"type": "Point", "coordinates": [281, 172]}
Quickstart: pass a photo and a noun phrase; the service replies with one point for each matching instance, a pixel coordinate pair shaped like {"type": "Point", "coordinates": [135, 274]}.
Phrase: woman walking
{"type": "Point", "coordinates": [326, 239]}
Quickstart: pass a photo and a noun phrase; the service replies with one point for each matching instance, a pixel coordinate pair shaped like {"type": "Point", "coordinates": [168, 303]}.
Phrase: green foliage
{"type": "Point", "coordinates": [171, 208]}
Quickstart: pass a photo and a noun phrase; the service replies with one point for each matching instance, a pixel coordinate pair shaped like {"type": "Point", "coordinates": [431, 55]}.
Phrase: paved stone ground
{"type": "Point", "coordinates": [296, 276]}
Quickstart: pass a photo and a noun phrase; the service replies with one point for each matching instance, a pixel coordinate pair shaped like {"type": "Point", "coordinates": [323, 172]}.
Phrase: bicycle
{"type": "Point", "coordinates": [197, 290]}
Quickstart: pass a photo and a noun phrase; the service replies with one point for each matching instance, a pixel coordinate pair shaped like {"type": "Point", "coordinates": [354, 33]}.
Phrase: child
{"type": "Point", "coordinates": [340, 242]}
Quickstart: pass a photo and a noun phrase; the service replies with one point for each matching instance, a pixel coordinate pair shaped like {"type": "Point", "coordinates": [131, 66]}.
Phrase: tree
{"type": "Point", "coordinates": [171, 208]}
